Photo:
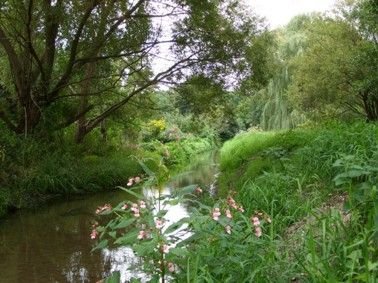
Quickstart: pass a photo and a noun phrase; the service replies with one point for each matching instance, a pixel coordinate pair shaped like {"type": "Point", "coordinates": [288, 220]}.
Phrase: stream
{"type": "Point", "coordinates": [52, 243]}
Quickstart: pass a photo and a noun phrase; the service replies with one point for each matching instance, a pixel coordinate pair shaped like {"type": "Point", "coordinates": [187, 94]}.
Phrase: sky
{"type": "Point", "coordinates": [279, 12]}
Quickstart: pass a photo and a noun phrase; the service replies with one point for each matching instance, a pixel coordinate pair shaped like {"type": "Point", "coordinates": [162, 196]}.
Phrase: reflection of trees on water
{"type": "Point", "coordinates": [50, 248]}
{"type": "Point", "coordinates": [201, 171]}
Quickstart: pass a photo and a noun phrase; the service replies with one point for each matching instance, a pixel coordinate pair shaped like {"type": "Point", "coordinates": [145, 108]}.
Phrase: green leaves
{"type": "Point", "coordinates": [131, 192]}
{"type": "Point", "coordinates": [124, 223]}
{"type": "Point", "coordinates": [114, 278]}
{"type": "Point", "coordinates": [173, 227]}
{"type": "Point", "coordinates": [128, 238]}
{"type": "Point", "coordinates": [101, 245]}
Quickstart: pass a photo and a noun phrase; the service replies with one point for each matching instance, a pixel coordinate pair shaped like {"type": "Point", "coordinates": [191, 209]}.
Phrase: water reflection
{"type": "Point", "coordinates": [52, 244]}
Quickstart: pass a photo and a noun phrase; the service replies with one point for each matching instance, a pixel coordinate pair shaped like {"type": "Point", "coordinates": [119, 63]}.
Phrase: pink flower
{"type": "Point", "coordinates": [171, 267]}
{"type": "Point", "coordinates": [216, 213]}
{"type": "Point", "coordinates": [165, 248]}
{"type": "Point", "coordinates": [198, 190]}
{"type": "Point", "coordinates": [228, 229]}
{"type": "Point", "coordinates": [142, 204]}
{"type": "Point", "coordinates": [231, 202]}
{"type": "Point", "coordinates": [104, 208]}
{"type": "Point", "coordinates": [125, 206]}
{"type": "Point", "coordinates": [258, 231]}
{"type": "Point", "coordinates": [134, 207]}
{"type": "Point", "coordinates": [228, 214]}
{"type": "Point", "coordinates": [159, 223]}
{"type": "Point", "coordinates": [137, 180]}
{"type": "Point", "coordinates": [142, 235]}
{"type": "Point", "coordinates": [94, 234]}
{"type": "Point", "coordinates": [130, 183]}
{"type": "Point", "coordinates": [255, 221]}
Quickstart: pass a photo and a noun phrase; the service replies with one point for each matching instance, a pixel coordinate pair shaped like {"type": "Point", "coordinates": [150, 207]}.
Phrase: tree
{"type": "Point", "coordinates": [269, 107]}
{"type": "Point", "coordinates": [80, 61]}
{"type": "Point", "coordinates": [337, 73]}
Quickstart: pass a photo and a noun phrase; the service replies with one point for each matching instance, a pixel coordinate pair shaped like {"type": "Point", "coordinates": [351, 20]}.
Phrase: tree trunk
{"type": "Point", "coordinates": [29, 119]}
{"type": "Point", "coordinates": [86, 85]}
{"type": "Point", "coordinates": [370, 102]}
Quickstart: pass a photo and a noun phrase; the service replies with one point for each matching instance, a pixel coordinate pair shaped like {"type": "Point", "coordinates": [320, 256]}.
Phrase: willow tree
{"type": "Point", "coordinates": [277, 113]}
{"type": "Point", "coordinates": [67, 61]}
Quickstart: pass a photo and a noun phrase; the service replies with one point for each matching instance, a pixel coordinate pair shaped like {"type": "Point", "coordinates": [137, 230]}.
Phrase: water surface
{"type": "Point", "coordinates": [52, 244]}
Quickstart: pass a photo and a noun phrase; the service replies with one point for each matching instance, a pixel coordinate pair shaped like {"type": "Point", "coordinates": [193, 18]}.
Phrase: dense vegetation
{"type": "Point", "coordinates": [318, 184]}
{"type": "Point", "coordinates": [87, 100]}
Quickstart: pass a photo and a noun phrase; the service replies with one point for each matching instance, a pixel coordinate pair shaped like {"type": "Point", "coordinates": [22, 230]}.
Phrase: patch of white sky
{"type": "Point", "coordinates": [279, 12]}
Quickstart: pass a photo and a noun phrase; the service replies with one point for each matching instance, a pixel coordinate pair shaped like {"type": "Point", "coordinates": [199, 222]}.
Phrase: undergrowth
{"type": "Point", "coordinates": [34, 171]}
{"type": "Point", "coordinates": [289, 175]}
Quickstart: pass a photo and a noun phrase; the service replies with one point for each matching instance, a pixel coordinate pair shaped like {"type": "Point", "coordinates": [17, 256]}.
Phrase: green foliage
{"type": "Point", "coordinates": [74, 61]}
{"type": "Point", "coordinates": [271, 107]}
{"type": "Point", "coordinates": [336, 73]}
{"type": "Point", "coordinates": [34, 170]}
{"type": "Point", "coordinates": [211, 232]}
{"type": "Point", "coordinates": [180, 152]}
{"type": "Point", "coordinates": [294, 177]}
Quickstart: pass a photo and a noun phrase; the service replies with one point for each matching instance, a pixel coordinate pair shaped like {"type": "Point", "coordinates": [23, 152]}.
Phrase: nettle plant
{"type": "Point", "coordinates": [166, 249]}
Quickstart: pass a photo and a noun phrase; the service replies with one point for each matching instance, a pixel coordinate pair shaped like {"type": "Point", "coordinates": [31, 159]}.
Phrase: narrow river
{"type": "Point", "coordinates": [52, 243]}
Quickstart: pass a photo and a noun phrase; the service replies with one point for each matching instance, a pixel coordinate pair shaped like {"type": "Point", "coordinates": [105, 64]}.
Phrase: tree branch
{"type": "Point", "coordinates": [74, 47]}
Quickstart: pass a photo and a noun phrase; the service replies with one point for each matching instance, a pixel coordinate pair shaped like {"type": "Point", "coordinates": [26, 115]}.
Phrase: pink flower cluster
{"type": "Point", "coordinates": [135, 209]}
{"type": "Point", "coordinates": [103, 208]}
{"type": "Point", "coordinates": [133, 180]}
{"type": "Point", "coordinates": [216, 213]}
{"type": "Point", "coordinates": [94, 234]}
{"type": "Point", "coordinates": [165, 248]}
{"type": "Point", "coordinates": [256, 223]}
{"type": "Point", "coordinates": [231, 202]}
{"type": "Point", "coordinates": [142, 235]}
{"type": "Point", "coordinates": [171, 267]}
{"type": "Point", "coordinates": [159, 223]}
{"type": "Point", "coordinates": [142, 204]}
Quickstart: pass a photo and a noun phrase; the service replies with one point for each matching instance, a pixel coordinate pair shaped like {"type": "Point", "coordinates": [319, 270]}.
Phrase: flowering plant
{"type": "Point", "coordinates": [166, 249]}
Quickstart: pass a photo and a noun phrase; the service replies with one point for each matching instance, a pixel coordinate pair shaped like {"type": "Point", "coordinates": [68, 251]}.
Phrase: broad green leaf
{"type": "Point", "coordinates": [146, 169]}
{"type": "Point", "coordinates": [145, 247]}
{"type": "Point", "coordinates": [128, 238]}
{"type": "Point", "coordinates": [139, 196]}
{"type": "Point", "coordinates": [125, 223]}
{"type": "Point", "coordinates": [179, 252]}
{"type": "Point", "coordinates": [101, 245]}
{"type": "Point", "coordinates": [173, 227]}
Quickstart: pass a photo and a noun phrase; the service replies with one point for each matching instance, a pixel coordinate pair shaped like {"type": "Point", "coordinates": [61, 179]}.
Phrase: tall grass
{"type": "Point", "coordinates": [294, 177]}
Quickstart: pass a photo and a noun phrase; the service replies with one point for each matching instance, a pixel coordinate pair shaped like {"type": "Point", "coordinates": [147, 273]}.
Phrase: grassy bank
{"type": "Point", "coordinates": [318, 185]}
{"type": "Point", "coordinates": [32, 172]}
